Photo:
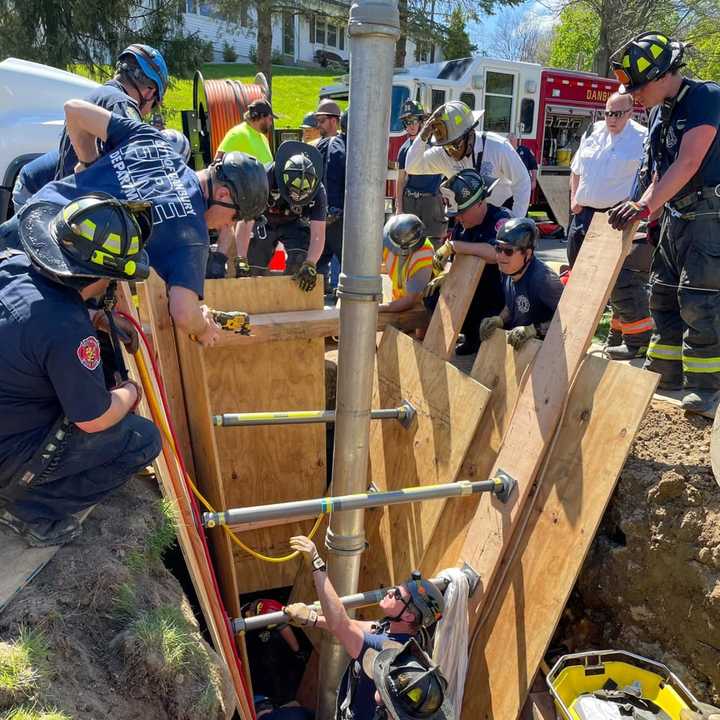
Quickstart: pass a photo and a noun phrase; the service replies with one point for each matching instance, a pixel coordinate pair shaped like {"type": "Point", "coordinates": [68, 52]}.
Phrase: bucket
{"type": "Point", "coordinates": [575, 678]}
{"type": "Point", "coordinates": [564, 157]}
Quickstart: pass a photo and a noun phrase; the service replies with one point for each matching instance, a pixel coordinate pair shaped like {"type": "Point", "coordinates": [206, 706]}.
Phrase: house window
{"type": "Point", "coordinates": [341, 38]}
{"type": "Point", "coordinates": [332, 35]}
{"type": "Point", "coordinates": [288, 33]}
{"type": "Point", "coordinates": [198, 7]}
{"type": "Point", "coordinates": [422, 51]}
{"type": "Point", "coordinates": [324, 33]}
{"type": "Point", "coordinates": [498, 101]}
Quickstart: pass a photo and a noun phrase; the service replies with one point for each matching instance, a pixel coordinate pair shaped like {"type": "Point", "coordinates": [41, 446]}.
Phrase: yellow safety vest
{"type": "Point", "coordinates": [402, 269]}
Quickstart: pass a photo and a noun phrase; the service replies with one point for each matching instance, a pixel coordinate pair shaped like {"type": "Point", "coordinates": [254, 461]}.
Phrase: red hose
{"type": "Point", "coordinates": [193, 503]}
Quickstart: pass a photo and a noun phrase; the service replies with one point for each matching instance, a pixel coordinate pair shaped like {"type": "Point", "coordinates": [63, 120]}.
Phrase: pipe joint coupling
{"type": "Point", "coordinates": [374, 17]}
{"type": "Point", "coordinates": [347, 545]}
{"type": "Point", "coordinates": [360, 287]}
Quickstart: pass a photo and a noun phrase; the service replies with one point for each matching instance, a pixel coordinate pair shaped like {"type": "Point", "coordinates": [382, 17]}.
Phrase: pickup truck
{"type": "Point", "coordinates": [31, 116]}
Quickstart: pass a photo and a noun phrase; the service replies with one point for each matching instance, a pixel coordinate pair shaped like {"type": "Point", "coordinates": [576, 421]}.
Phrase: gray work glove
{"type": "Point", "coordinates": [489, 325]}
{"type": "Point", "coordinates": [518, 336]}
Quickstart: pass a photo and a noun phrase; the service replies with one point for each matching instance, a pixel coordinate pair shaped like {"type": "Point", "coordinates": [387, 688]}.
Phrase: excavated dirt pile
{"type": "Point", "coordinates": [115, 637]}
{"type": "Point", "coordinates": [651, 582]}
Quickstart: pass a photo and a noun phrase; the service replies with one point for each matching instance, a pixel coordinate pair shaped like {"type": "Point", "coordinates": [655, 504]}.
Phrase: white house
{"type": "Point", "coordinates": [296, 36]}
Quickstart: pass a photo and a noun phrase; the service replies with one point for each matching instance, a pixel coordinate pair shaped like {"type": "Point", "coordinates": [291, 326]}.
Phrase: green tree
{"type": "Point", "coordinates": [575, 39]}
{"type": "Point", "coordinates": [92, 32]}
{"type": "Point", "coordinates": [457, 41]}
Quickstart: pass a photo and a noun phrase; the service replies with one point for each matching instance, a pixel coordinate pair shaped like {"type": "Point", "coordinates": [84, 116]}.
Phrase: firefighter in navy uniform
{"type": "Point", "coordinates": [684, 158]}
{"type": "Point", "coordinates": [66, 441]}
{"type": "Point", "coordinates": [477, 223]}
{"type": "Point", "coordinates": [296, 215]}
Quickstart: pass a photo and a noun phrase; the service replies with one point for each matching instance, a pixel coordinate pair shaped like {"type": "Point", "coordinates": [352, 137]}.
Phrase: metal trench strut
{"type": "Point", "coordinates": [502, 486]}
{"type": "Point", "coordinates": [351, 602]}
{"type": "Point", "coordinates": [404, 414]}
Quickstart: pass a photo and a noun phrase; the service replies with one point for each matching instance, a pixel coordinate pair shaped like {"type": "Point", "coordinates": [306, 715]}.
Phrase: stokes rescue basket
{"type": "Point", "coordinates": [598, 685]}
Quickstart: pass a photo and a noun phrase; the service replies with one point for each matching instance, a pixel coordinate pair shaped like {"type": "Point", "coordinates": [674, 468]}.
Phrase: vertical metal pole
{"type": "Point", "coordinates": [373, 29]}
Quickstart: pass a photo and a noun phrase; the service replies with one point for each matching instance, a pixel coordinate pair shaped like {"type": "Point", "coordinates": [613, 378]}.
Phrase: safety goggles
{"type": "Point", "coordinates": [455, 147]}
{"type": "Point", "coordinates": [397, 595]}
{"type": "Point", "coordinates": [507, 251]}
{"type": "Point", "coordinates": [410, 122]}
{"type": "Point", "coordinates": [616, 113]}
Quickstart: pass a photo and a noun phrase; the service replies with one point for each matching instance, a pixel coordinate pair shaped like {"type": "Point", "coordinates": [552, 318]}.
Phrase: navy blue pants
{"type": "Point", "coordinates": [333, 248]}
{"type": "Point", "coordinates": [92, 466]}
{"type": "Point", "coordinates": [579, 225]}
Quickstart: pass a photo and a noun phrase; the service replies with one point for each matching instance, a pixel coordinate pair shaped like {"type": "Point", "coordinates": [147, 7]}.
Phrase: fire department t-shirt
{"type": "Point", "coordinates": [699, 105]}
{"type": "Point", "coordinates": [532, 300]}
{"type": "Point", "coordinates": [140, 165]}
{"type": "Point", "coordinates": [49, 358]}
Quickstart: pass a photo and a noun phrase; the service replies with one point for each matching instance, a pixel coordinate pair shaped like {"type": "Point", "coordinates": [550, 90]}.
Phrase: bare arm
{"type": "Point", "coordinates": [85, 124]}
{"type": "Point", "coordinates": [190, 317]}
{"type": "Point", "coordinates": [317, 240]}
{"type": "Point", "coordinates": [399, 190]}
{"type": "Point", "coordinates": [243, 231]}
{"type": "Point", "coordinates": [693, 148]}
{"type": "Point", "coordinates": [122, 399]}
{"type": "Point", "coordinates": [574, 182]}
{"type": "Point", "coordinates": [404, 303]}
{"type": "Point", "coordinates": [482, 250]}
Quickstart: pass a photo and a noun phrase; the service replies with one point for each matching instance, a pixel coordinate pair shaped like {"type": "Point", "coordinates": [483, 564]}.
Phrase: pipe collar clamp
{"type": "Point", "coordinates": [360, 287]}
{"type": "Point", "coordinates": [348, 545]}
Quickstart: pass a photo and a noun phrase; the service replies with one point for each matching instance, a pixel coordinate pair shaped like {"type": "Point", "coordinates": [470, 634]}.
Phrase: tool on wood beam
{"type": "Point", "coordinates": [501, 486]}
{"type": "Point", "coordinates": [404, 414]}
{"type": "Point", "coordinates": [357, 600]}
{"type": "Point", "coordinates": [234, 321]}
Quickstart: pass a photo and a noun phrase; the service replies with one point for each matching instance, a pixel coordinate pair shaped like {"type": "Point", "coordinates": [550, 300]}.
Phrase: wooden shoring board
{"type": "Point", "coordinates": [200, 569]}
{"type": "Point", "coordinates": [263, 464]}
{"type": "Point", "coordinates": [154, 309]}
{"type": "Point", "coordinates": [542, 566]}
{"type": "Point", "coordinates": [501, 369]}
{"type": "Point", "coordinates": [21, 563]}
{"type": "Point", "coordinates": [449, 406]}
{"type": "Point", "coordinates": [456, 294]}
{"type": "Point", "coordinates": [543, 396]}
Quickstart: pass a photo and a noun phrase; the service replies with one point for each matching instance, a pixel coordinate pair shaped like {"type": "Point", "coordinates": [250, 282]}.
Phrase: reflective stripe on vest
{"type": "Point", "coordinates": [400, 272]}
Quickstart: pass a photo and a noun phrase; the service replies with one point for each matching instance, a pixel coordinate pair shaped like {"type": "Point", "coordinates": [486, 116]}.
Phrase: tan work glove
{"type": "Point", "coordinates": [489, 325]}
{"type": "Point", "coordinates": [442, 255]}
{"type": "Point", "coordinates": [518, 336]}
{"type": "Point", "coordinates": [300, 615]}
{"type": "Point", "coordinates": [434, 126]}
{"type": "Point", "coordinates": [434, 285]}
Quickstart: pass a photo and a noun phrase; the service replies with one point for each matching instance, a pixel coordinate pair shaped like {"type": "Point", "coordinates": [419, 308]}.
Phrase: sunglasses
{"type": "Point", "coordinates": [507, 251]}
{"type": "Point", "coordinates": [615, 113]}
{"type": "Point", "coordinates": [395, 592]}
{"type": "Point", "coordinates": [409, 123]}
{"type": "Point", "coordinates": [454, 147]}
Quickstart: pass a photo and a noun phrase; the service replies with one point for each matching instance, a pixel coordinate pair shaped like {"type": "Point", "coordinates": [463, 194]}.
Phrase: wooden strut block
{"type": "Point", "coordinates": [307, 324]}
{"type": "Point", "coordinates": [573, 491]}
{"type": "Point", "coordinates": [540, 404]}
{"type": "Point", "coordinates": [456, 295]}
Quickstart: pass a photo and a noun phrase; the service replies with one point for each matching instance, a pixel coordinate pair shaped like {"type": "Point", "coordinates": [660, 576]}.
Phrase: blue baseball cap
{"type": "Point", "coordinates": [309, 121]}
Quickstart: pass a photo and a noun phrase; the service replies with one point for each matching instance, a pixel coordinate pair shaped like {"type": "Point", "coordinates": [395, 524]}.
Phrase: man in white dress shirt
{"type": "Point", "coordinates": [604, 167]}
{"type": "Point", "coordinates": [450, 142]}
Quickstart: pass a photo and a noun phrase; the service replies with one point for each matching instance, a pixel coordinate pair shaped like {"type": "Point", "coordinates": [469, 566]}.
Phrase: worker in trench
{"type": "Point", "coordinates": [411, 611]}
{"type": "Point", "coordinates": [66, 441]}
{"type": "Point", "coordinates": [142, 166]}
{"type": "Point", "coordinates": [531, 290]}
{"type": "Point", "coordinates": [683, 155]}
{"type": "Point", "coordinates": [296, 215]}
{"type": "Point", "coordinates": [450, 142]}
{"type": "Point", "coordinates": [477, 223]}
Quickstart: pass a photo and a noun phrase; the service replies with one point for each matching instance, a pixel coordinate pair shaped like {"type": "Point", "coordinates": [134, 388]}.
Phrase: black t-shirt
{"type": "Point", "coordinates": [49, 358]}
{"type": "Point", "coordinates": [532, 300]}
{"type": "Point", "coordinates": [279, 211]}
{"type": "Point", "coordinates": [697, 105]}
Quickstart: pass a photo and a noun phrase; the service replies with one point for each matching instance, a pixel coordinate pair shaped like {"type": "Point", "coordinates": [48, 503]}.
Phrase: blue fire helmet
{"type": "Point", "coordinates": [152, 65]}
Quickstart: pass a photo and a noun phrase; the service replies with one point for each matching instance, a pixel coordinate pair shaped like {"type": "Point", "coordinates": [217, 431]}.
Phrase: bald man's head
{"type": "Point", "coordinates": [618, 110]}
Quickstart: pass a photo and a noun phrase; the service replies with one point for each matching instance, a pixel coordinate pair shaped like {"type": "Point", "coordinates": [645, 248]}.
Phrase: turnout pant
{"type": "Point", "coordinates": [333, 248]}
{"type": "Point", "coordinates": [87, 467]}
{"type": "Point", "coordinates": [431, 210]}
{"type": "Point", "coordinates": [295, 237]}
{"type": "Point", "coordinates": [629, 298]}
{"type": "Point", "coordinates": [685, 297]}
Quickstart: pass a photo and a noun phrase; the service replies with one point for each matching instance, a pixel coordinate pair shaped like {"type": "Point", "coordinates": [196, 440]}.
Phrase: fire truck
{"type": "Point", "coordinates": [548, 110]}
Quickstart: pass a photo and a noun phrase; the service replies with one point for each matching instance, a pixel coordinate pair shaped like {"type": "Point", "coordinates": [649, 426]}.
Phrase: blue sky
{"type": "Point", "coordinates": [485, 27]}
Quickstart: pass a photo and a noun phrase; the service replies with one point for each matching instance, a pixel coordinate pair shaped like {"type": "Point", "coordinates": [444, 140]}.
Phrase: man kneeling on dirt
{"type": "Point", "coordinates": [531, 289]}
{"type": "Point", "coordinates": [408, 608]}
{"type": "Point", "coordinates": [66, 442]}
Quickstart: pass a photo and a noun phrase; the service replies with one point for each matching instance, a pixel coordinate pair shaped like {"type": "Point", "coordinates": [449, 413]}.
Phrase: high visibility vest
{"type": "Point", "coordinates": [401, 269]}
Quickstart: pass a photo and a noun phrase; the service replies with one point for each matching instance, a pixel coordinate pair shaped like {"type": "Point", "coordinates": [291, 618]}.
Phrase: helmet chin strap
{"type": "Point", "coordinates": [526, 261]}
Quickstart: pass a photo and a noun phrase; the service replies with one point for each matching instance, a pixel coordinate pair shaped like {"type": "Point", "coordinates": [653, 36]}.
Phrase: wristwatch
{"type": "Point", "coordinates": [318, 564]}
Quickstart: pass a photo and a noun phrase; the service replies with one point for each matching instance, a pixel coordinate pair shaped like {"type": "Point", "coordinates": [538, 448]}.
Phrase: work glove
{"type": "Point", "coordinates": [518, 336]}
{"type": "Point", "coordinates": [306, 547]}
{"type": "Point", "coordinates": [434, 285]}
{"type": "Point", "coordinates": [704, 712]}
{"type": "Point", "coordinates": [242, 267]}
{"type": "Point", "coordinates": [489, 325]}
{"type": "Point", "coordinates": [127, 334]}
{"type": "Point", "coordinates": [306, 276]}
{"type": "Point", "coordinates": [625, 213]}
{"type": "Point", "coordinates": [233, 321]}
{"type": "Point", "coordinates": [434, 126]}
{"type": "Point", "coordinates": [138, 392]}
{"type": "Point", "coordinates": [300, 615]}
{"type": "Point", "coordinates": [442, 255]}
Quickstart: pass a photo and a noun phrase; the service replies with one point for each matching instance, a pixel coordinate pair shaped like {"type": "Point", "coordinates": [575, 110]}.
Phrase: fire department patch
{"type": "Point", "coordinates": [88, 352]}
{"type": "Point", "coordinates": [500, 223]}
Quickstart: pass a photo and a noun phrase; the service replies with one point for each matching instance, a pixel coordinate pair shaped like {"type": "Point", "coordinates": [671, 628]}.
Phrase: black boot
{"type": "Point", "coordinates": [469, 346]}
{"type": "Point", "coordinates": [42, 533]}
{"type": "Point", "coordinates": [625, 352]}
